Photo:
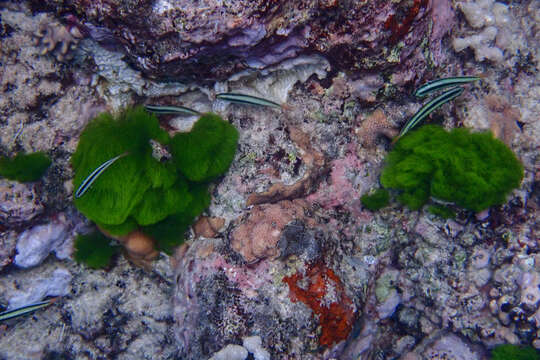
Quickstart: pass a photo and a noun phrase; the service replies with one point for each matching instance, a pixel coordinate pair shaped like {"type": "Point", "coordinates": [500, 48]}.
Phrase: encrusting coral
{"type": "Point", "coordinates": [141, 201]}
{"type": "Point", "coordinates": [374, 126]}
{"type": "Point", "coordinates": [471, 170]}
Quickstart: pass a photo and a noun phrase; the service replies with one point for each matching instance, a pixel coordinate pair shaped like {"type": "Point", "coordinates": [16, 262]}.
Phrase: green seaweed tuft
{"type": "Point", "coordinates": [94, 250]}
{"type": "Point", "coordinates": [442, 211]}
{"type": "Point", "coordinates": [24, 167]}
{"type": "Point", "coordinates": [379, 199]}
{"type": "Point", "coordinates": [120, 188]}
{"type": "Point", "coordinates": [514, 352]}
{"type": "Point", "coordinates": [471, 170]}
{"type": "Point", "coordinates": [137, 191]}
{"type": "Point", "coordinates": [207, 151]}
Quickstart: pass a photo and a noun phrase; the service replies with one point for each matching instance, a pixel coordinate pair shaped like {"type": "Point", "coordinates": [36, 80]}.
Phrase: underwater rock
{"type": "Point", "coordinates": [213, 40]}
{"type": "Point", "coordinates": [56, 284]}
{"type": "Point", "coordinates": [223, 300]}
{"type": "Point", "coordinates": [231, 352]}
{"type": "Point", "coordinates": [35, 244]}
{"type": "Point", "coordinates": [8, 241]}
{"type": "Point", "coordinates": [254, 345]}
{"type": "Point", "coordinates": [451, 347]}
{"type": "Point", "coordinates": [19, 203]}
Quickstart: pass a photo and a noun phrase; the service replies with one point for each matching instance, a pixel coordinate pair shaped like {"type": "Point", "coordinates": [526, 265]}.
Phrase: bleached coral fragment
{"type": "Point", "coordinates": [499, 36]}
{"type": "Point", "coordinates": [476, 14]}
{"type": "Point", "coordinates": [481, 44]}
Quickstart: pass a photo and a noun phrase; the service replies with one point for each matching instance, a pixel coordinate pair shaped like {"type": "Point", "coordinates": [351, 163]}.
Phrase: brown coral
{"type": "Point", "coordinates": [503, 118]}
{"type": "Point", "coordinates": [258, 234]}
{"type": "Point", "coordinates": [208, 227]}
{"type": "Point", "coordinates": [374, 126]}
{"type": "Point", "coordinates": [56, 39]}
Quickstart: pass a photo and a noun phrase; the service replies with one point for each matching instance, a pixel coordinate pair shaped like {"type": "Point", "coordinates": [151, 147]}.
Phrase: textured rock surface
{"type": "Point", "coordinates": [20, 203]}
{"type": "Point", "coordinates": [212, 40]}
{"type": "Point", "coordinates": [35, 244]}
{"type": "Point", "coordinates": [123, 314]}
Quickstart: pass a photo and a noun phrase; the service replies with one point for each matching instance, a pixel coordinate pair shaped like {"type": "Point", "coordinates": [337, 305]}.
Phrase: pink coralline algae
{"type": "Point", "coordinates": [349, 179]}
{"type": "Point", "coordinates": [209, 40]}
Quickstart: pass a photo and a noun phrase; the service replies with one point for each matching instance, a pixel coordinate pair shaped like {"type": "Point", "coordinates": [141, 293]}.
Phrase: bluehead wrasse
{"type": "Point", "coordinates": [164, 109]}
{"type": "Point", "coordinates": [85, 185]}
{"type": "Point", "coordinates": [25, 309]}
{"type": "Point", "coordinates": [429, 108]}
{"type": "Point", "coordinates": [440, 84]}
{"type": "Point", "coordinates": [247, 99]}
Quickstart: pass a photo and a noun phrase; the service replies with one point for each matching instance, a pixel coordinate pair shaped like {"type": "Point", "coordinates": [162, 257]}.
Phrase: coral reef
{"type": "Point", "coordinates": [20, 203]}
{"type": "Point", "coordinates": [418, 285]}
{"type": "Point", "coordinates": [503, 118]}
{"type": "Point", "coordinates": [208, 226]}
{"type": "Point", "coordinates": [216, 298]}
{"type": "Point", "coordinates": [497, 36]}
{"type": "Point", "coordinates": [35, 244]}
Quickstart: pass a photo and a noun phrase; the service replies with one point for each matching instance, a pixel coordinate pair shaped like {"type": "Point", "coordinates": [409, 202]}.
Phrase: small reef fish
{"type": "Point", "coordinates": [10, 314]}
{"type": "Point", "coordinates": [85, 185]}
{"type": "Point", "coordinates": [247, 99]}
{"type": "Point", "coordinates": [163, 109]}
{"type": "Point", "coordinates": [440, 84]}
{"type": "Point", "coordinates": [428, 108]}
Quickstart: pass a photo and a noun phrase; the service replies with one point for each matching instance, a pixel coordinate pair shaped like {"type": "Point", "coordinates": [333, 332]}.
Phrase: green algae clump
{"type": "Point", "coordinates": [379, 199]}
{"type": "Point", "coordinates": [471, 170]}
{"type": "Point", "coordinates": [207, 150]}
{"type": "Point", "coordinates": [514, 352]}
{"type": "Point", "coordinates": [160, 197]}
{"type": "Point", "coordinates": [24, 167]}
{"type": "Point", "coordinates": [94, 250]}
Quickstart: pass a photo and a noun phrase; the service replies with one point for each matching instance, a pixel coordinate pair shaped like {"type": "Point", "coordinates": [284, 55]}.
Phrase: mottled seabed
{"type": "Point", "coordinates": [297, 268]}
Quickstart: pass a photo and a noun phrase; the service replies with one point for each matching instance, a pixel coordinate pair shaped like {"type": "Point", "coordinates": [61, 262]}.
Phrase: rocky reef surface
{"type": "Point", "coordinates": [211, 40]}
{"type": "Point", "coordinates": [286, 263]}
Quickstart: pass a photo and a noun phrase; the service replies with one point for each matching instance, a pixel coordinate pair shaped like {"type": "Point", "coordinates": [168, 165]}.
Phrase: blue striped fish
{"type": "Point", "coordinates": [440, 84]}
{"type": "Point", "coordinates": [428, 108]}
{"type": "Point", "coordinates": [10, 314]}
{"type": "Point", "coordinates": [246, 99]}
{"type": "Point", "coordinates": [89, 180]}
{"type": "Point", "coordinates": [164, 109]}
